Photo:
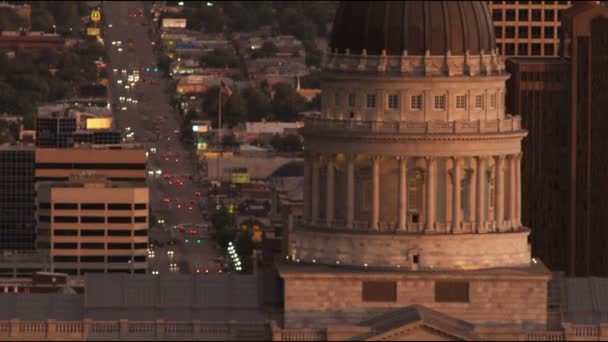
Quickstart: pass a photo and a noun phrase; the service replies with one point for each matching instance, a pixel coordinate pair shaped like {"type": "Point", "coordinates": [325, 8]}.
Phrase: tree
{"type": "Point", "coordinates": [287, 103]}
{"type": "Point", "coordinates": [235, 110]}
{"type": "Point", "coordinates": [219, 59]}
{"type": "Point", "coordinates": [289, 143]}
{"type": "Point", "coordinates": [268, 49]}
{"type": "Point", "coordinates": [230, 141]}
{"type": "Point", "coordinates": [258, 105]}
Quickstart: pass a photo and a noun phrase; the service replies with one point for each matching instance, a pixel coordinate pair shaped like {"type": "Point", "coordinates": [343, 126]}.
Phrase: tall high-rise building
{"type": "Point", "coordinates": [412, 179]}
{"type": "Point", "coordinates": [17, 222]}
{"type": "Point", "coordinates": [55, 130]}
{"type": "Point", "coordinates": [90, 225]}
{"type": "Point", "coordinates": [562, 103]}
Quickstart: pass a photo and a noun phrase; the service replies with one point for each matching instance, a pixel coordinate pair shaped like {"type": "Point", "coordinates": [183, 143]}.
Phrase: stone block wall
{"type": "Point", "coordinates": [321, 301]}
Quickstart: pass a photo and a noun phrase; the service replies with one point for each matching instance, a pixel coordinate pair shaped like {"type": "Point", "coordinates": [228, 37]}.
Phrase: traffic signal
{"type": "Point", "coordinates": [187, 240]}
{"type": "Point", "coordinates": [147, 69]}
{"type": "Point", "coordinates": [198, 241]}
{"type": "Point", "coordinates": [155, 69]}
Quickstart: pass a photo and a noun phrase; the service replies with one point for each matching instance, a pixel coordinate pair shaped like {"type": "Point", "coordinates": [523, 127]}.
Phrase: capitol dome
{"type": "Point", "coordinates": [413, 26]}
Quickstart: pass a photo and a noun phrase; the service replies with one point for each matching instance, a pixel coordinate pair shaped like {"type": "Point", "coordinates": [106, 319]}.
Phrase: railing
{"type": "Point", "coordinates": [510, 124]}
{"type": "Point", "coordinates": [69, 327]}
{"type": "Point", "coordinates": [33, 328]}
{"type": "Point", "coordinates": [302, 335]}
{"type": "Point", "coordinates": [586, 330]}
{"type": "Point", "coordinates": [103, 328]}
{"type": "Point", "coordinates": [142, 327]}
{"type": "Point", "coordinates": [545, 336]}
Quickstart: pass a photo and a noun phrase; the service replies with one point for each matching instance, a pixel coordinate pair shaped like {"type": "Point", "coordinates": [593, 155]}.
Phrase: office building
{"type": "Point", "coordinates": [17, 223]}
{"type": "Point", "coordinates": [527, 28]}
{"type": "Point", "coordinates": [91, 225]}
{"type": "Point", "coordinates": [55, 129]}
{"type": "Point", "coordinates": [124, 162]}
{"type": "Point", "coordinates": [562, 102]}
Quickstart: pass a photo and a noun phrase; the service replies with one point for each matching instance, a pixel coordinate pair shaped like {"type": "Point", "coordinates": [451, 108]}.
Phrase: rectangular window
{"type": "Point", "coordinates": [549, 15]}
{"type": "Point", "coordinates": [549, 31]}
{"type": "Point", "coordinates": [379, 291]}
{"type": "Point", "coordinates": [479, 102]}
{"type": "Point", "coordinates": [44, 218]}
{"type": "Point", "coordinates": [416, 102]}
{"type": "Point", "coordinates": [65, 258]}
{"type": "Point", "coordinates": [440, 102]}
{"type": "Point", "coordinates": [140, 245]}
{"type": "Point", "coordinates": [535, 49]}
{"type": "Point", "coordinates": [92, 258]}
{"type": "Point", "coordinates": [140, 219]}
{"type": "Point", "coordinates": [510, 15]}
{"type": "Point", "coordinates": [510, 32]}
{"type": "Point", "coordinates": [493, 101]}
{"type": "Point", "coordinates": [497, 14]}
{"type": "Point", "coordinates": [522, 32]}
{"type": "Point", "coordinates": [140, 206]}
{"type": "Point", "coordinates": [65, 219]}
{"type": "Point", "coordinates": [139, 258]}
{"type": "Point", "coordinates": [119, 219]}
{"type": "Point", "coordinates": [461, 101]}
{"type": "Point", "coordinates": [119, 206]}
{"type": "Point", "coordinates": [536, 15]}
{"type": "Point", "coordinates": [451, 291]}
{"type": "Point", "coordinates": [141, 232]}
{"type": "Point", "coordinates": [92, 232]}
{"type": "Point", "coordinates": [371, 101]}
{"type": "Point", "coordinates": [119, 246]}
{"type": "Point", "coordinates": [65, 245]}
{"type": "Point", "coordinates": [91, 245]}
{"type": "Point", "coordinates": [65, 206]}
{"type": "Point", "coordinates": [393, 101]}
{"type": "Point", "coordinates": [548, 49]}
{"type": "Point", "coordinates": [119, 258]}
{"type": "Point", "coordinates": [523, 14]}
{"type": "Point", "coordinates": [65, 232]}
{"type": "Point", "coordinates": [92, 219]}
{"type": "Point", "coordinates": [44, 205]}
{"type": "Point", "coordinates": [522, 49]}
{"type": "Point", "coordinates": [535, 31]}
{"type": "Point", "coordinates": [352, 100]}
{"type": "Point", "coordinates": [119, 232]}
{"type": "Point", "coordinates": [92, 206]}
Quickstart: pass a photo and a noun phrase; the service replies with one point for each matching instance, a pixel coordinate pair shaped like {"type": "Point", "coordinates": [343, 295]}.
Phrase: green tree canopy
{"type": "Point", "coordinates": [219, 59]}
{"type": "Point", "coordinates": [258, 105]}
{"type": "Point", "coordinates": [287, 103]}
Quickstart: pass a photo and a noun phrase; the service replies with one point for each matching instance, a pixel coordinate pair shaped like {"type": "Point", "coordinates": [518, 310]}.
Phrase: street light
{"type": "Point", "coordinates": [55, 29]}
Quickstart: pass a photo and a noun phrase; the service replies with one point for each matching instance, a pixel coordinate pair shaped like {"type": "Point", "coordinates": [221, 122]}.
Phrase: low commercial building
{"type": "Point", "coordinates": [91, 225]}
{"type": "Point", "coordinates": [123, 162]}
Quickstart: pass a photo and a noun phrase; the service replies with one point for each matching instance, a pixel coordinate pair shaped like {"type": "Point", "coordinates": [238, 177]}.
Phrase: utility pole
{"type": "Point", "coordinates": [219, 134]}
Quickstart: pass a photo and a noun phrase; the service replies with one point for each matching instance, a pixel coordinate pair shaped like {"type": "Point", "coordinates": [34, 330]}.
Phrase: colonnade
{"type": "Point", "coordinates": [504, 199]}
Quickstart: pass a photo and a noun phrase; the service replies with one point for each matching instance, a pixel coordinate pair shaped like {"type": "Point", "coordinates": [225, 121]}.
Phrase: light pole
{"type": "Point", "coordinates": [54, 29]}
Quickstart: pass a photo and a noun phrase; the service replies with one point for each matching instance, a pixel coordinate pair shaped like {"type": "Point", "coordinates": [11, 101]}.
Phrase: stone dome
{"type": "Point", "coordinates": [415, 26]}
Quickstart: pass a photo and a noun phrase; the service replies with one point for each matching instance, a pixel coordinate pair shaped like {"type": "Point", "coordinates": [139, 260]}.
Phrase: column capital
{"type": "Point", "coordinates": [500, 157]}
{"type": "Point", "coordinates": [350, 156]}
{"type": "Point", "coordinates": [401, 157]}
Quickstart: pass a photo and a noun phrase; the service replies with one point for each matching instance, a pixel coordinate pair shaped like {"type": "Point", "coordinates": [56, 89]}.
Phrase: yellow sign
{"type": "Point", "coordinates": [240, 178]}
{"type": "Point", "coordinates": [95, 16]}
{"type": "Point", "coordinates": [93, 31]}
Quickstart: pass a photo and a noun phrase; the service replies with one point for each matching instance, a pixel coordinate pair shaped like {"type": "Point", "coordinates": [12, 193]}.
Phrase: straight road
{"type": "Point", "coordinates": [155, 124]}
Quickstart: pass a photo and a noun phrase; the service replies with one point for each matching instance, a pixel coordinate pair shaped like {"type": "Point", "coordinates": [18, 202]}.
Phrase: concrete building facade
{"type": "Point", "coordinates": [561, 102]}
{"type": "Point", "coordinates": [91, 225]}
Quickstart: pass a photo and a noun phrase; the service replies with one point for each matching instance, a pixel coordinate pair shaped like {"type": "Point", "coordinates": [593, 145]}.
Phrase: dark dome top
{"type": "Point", "coordinates": [415, 26]}
{"type": "Point", "coordinates": [291, 169]}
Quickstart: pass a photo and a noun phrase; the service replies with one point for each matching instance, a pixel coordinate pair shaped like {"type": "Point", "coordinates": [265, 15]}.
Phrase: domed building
{"type": "Point", "coordinates": [412, 180]}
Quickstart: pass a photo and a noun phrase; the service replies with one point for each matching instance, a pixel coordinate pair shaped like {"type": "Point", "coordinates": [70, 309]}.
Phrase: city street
{"type": "Point", "coordinates": [143, 110]}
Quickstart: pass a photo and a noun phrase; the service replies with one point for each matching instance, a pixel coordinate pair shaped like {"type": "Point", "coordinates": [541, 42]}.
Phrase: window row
{"type": "Point", "coordinates": [93, 219]}
{"type": "Point", "coordinates": [525, 14]}
{"type": "Point", "coordinates": [99, 232]}
{"type": "Point", "coordinates": [93, 206]}
{"type": "Point", "coordinates": [533, 50]}
{"type": "Point", "coordinates": [417, 101]}
{"type": "Point", "coordinates": [445, 291]}
{"type": "Point", "coordinates": [99, 245]}
{"type": "Point", "coordinates": [525, 32]}
{"type": "Point", "coordinates": [99, 258]}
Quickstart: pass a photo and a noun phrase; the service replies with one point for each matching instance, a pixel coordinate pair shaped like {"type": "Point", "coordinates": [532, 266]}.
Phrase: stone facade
{"type": "Point", "coordinates": [315, 300]}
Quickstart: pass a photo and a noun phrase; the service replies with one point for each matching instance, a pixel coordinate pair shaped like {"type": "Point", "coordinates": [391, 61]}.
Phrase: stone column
{"type": "Point", "coordinates": [402, 193]}
{"type": "Point", "coordinates": [518, 190]}
{"type": "Point", "coordinates": [315, 190]}
{"type": "Point", "coordinates": [456, 177]}
{"type": "Point", "coordinates": [329, 202]}
{"type": "Point", "coordinates": [512, 195]}
{"type": "Point", "coordinates": [431, 165]}
{"type": "Point", "coordinates": [375, 192]}
{"type": "Point", "coordinates": [350, 191]}
{"type": "Point", "coordinates": [499, 207]}
{"type": "Point", "coordinates": [472, 193]}
{"type": "Point", "coordinates": [480, 192]}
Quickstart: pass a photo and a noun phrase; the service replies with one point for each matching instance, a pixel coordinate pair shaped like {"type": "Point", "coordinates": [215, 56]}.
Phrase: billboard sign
{"type": "Point", "coordinates": [95, 16]}
{"type": "Point", "coordinates": [93, 31]}
{"type": "Point", "coordinates": [174, 23]}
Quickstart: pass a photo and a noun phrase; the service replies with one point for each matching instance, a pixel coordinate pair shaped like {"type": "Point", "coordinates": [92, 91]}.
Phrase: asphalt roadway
{"type": "Point", "coordinates": [154, 123]}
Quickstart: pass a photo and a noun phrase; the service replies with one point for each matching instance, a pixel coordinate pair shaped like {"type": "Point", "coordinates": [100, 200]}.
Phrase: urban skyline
{"type": "Point", "coordinates": [380, 170]}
